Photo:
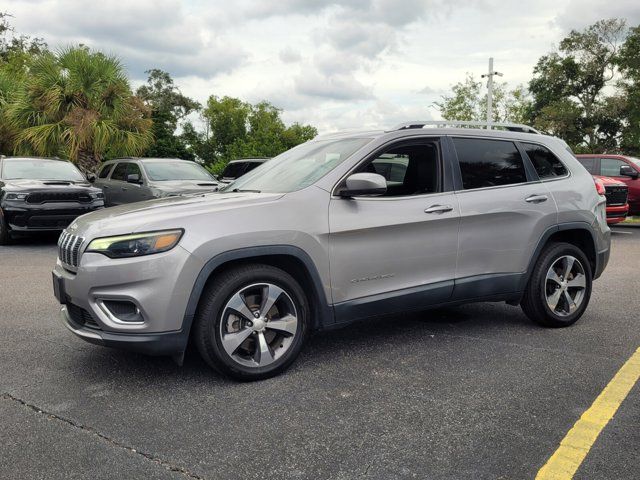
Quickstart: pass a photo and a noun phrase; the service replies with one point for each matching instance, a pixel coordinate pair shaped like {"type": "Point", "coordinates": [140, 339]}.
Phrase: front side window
{"type": "Point", "coordinates": [160, 171]}
{"type": "Point", "coordinates": [489, 163]}
{"type": "Point", "coordinates": [547, 165]}
{"type": "Point", "coordinates": [610, 167]}
{"type": "Point", "coordinates": [134, 169]}
{"type": "Point", "coordinates": [120, 172]}
{"type": "Point", "coordinates": [590, 164]}
{"type": "Point", "coordinates": [40, 169]}
{"type": "Point", "coordinates": [299, 167]}
{"type": "Point", "coordinates": [234, 170]}
{"type": "Point", "coordinates": [408, 169]}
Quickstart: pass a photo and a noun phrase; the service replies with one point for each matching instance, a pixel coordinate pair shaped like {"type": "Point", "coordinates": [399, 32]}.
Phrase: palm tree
{"type": "Point", "coordinates": [78, 104]}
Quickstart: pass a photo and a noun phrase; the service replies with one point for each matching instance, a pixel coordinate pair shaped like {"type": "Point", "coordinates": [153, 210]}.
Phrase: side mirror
{"type": "Point", "coordinates": [91, 177]}
{"type": "Point", "coordinates": [133, 178]}
{"type": "Point", "coordinates": [364, 184]}
{"type": "Point", "coordinates": [627, 171]}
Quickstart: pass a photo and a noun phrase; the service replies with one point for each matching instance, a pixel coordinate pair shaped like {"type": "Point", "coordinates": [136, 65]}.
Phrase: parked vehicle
{"type": "Point", "coordinates": [127, 180]}
{"type": "Point", "coordinates": [622, 168]}
{"type": "Point", "coordinates": [42, 194]}
{"type": "Point", "coordinates": [237, 168]}
{"type": "Point", "coordinates": [616, 193]}
{"type": "Point", "coordinates": [314, 239]}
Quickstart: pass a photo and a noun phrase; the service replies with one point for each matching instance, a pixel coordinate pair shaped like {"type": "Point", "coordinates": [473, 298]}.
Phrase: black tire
{"type": "Point", "coordinates": [534, 303]}
{"type": "Point", "coordinates": [207, 333]}
{"type": "Point", "coordinates": [5, 235]}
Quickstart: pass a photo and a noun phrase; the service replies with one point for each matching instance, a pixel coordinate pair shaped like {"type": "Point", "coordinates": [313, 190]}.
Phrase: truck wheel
{"type": "Point", "coordinates": [560, 286]}
{"type": "Point", "coordinates": [251, 322]}
{"type": "Point", "coordinates": [5, 235]}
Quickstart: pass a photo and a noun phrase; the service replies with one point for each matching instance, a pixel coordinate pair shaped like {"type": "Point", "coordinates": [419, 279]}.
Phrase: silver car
{"type": "Point", "coordinates": [127, 180]}
{"type": "Point", "coordinates": [317, 238]}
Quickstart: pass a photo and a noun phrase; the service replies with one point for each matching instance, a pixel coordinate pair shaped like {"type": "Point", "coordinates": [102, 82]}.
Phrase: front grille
{"type": "Point", "coordinates": [616, 195]}
{"type": "Point", "coordinates": [44, 197]}
{"type": "Point", "coordinates": [82, 316]}
{"type": "Point", "coordinates": [69, 248]}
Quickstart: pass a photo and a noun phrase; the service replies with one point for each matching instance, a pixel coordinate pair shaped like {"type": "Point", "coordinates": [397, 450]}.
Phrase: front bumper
{"type": "Point", "coordinates": [22, 217]}
{"type": "Point", "coordinates": [169, 343]}
{"type": "Point", "coordinates": [617, 214]}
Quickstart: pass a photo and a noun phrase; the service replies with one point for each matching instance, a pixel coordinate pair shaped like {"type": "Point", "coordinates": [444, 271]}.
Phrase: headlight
{"type": "Point", "coordinates": [136, 244]}
{"type": "Point", "coordinates": [16, 196]}
{"type": "Point", "coordinates": [96, 195]}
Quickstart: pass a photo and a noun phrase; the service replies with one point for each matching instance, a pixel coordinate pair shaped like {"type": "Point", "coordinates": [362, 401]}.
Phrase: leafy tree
{"type": "Point", "coordinates": [569, 88]}
{"type": "Point", "coordinates": [468, 102]}
{"type": "Point", "coordinates": [78, 103]}
{"type": "Point", "coordinates": [237, 129]}
{"type": "Point", "coordinates": [629, 64]}
{"type": "Point", "coordinates": [169, 107]}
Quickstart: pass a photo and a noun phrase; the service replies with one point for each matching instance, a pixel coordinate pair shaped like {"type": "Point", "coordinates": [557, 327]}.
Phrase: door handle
{"type": "Point", "coordinates": [438, 209]}
{"type": "Point", "coordinates": [536, 199]}
{"type": "Point", "coordinates": [124, 189]}
{"type": "Point", "coordinates": [106, 187]}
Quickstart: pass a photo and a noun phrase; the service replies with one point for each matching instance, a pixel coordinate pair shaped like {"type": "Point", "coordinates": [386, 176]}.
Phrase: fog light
{"type": "Point", "coordinates": [123, 310]}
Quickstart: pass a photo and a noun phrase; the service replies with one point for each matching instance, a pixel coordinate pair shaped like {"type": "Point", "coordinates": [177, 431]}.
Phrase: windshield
{"type": "Point", "coordinates": [179, 170]}
{"type": "Point", "coordinates": [299, 167]}
{"type": "Point", "coordinates": [38, 169]}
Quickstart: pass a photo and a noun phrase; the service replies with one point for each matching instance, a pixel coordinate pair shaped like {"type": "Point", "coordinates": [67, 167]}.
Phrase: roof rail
{"type": "Point", "coordinates": [512, 127]}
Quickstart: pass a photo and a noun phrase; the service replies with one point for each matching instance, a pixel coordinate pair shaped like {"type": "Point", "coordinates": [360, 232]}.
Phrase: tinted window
{"type": "Point", "coordinates": [408, 169]}
{"type": "Point", "coordinates": [134, 169]}
{"type": "Point", "coordinates": [589, 163]}
{"type": "Point", "coordinates": [234, 170]}
{"type": "Point", "coordinates": [104, 173]}
{"type": "Point", "coordinates": [610, 167]}
{"type": "Point", "coordinates": [546, 163]}
{"type": "Point", "coordinates": [40, 169]}
{"type": "Point", "coordinates": [120, 172]}
{"type": "Point", "coordinates": [489, 163]}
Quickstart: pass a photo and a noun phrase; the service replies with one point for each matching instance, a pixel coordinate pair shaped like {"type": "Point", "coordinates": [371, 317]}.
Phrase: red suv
{"type": "Point", "coordinates": [616, 193]}
{"type": "Point", "coordinates": [622, 168]}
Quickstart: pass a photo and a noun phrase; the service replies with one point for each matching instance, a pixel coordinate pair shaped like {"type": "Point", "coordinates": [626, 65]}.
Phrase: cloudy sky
{"type": "Point", "coordinates": [334, 64]}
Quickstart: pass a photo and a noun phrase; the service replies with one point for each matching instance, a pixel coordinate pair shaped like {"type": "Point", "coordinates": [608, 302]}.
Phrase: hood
{"type": "Point", "coordinates": [608, 181]}
{"type": "Point", "coordinates": [170, 212]}
{"type": "Point", "coordinates": [190, 186]}
{"type": "Point", "coordinates": [28, 185]}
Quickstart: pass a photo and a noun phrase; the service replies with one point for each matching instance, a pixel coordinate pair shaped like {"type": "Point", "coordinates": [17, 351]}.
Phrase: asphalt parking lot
{"type": "Point", "coordinates": [472, 392]}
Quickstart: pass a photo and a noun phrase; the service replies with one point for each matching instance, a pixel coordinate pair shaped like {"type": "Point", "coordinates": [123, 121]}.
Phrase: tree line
{"type": "Point", "coordinates": [78, 103]}
{"type": "Point", "coordinates": [587, 91]}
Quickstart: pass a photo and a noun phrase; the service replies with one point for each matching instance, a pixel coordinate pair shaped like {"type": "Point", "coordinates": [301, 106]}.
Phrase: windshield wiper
{"type": "Point", "coordinates": [239, 190]}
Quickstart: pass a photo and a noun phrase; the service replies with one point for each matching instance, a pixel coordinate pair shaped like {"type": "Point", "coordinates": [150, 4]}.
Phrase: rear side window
{"type": "Point", "coordinates": [104, 173]}
{"type": "Point", "coordinates": [590, 164]}
{"type": "Point", "coordinates": [610, 167]}
{"type": "Point", "coordinates": [120, 172]}
{"type": "Point", "coordinates": [489, 163]}
{"type": "Point", "coordinates": [547, 165]}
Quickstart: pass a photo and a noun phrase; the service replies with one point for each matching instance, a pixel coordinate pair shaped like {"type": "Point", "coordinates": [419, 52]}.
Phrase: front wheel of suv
{"type": "Point", "coordinates": [252, 322]}
{"type": "Point", "coordinates": [560, 286]}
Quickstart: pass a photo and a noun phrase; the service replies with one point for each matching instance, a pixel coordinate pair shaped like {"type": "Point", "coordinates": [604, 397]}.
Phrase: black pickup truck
{"type": "Point", "coordinates": [42, 194]}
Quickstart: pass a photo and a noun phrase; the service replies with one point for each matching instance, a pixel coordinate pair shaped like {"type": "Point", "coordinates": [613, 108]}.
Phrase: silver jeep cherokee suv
{"type": "Point", "coordinates": [341, 228]}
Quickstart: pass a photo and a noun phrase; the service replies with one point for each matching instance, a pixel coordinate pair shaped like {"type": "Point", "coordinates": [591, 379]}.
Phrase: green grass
{"type": "Point", "coordinates": [632, 220]}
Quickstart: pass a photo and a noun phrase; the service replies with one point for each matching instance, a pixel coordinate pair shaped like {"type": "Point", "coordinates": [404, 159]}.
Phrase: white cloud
{"type": "Point", "coordinates": [334, 64]}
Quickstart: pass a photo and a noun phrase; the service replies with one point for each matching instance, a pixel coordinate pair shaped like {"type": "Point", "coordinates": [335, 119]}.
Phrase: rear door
{"type": "Point", "coordinates": [398, 251]}
{"type": "Point", "coordinates": [504, 211]}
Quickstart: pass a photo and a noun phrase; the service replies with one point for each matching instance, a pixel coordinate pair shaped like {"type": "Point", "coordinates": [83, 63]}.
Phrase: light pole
{"type": "Point", "coordinates": [490, 91]}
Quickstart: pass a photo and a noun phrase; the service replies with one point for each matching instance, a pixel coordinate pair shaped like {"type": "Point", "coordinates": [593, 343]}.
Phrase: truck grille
{"type": "Point", "coordinates": [616, 195]}
{"type": "Point", "coordinates": [69, 248]}
{"type": "Point", "coordinates": [44, 197]}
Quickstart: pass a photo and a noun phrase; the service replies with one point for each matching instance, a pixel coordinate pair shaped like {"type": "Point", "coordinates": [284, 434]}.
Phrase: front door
{"type": "Point", "coordinates": [398, 251]}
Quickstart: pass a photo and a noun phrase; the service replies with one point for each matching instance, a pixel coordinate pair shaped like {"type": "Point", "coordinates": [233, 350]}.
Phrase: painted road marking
{"type": "Point", "coordinates": [575, 446]}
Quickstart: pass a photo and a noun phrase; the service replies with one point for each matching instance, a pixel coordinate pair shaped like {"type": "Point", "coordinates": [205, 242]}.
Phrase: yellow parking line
{"type": "Point", "coordinates": [575, 446]}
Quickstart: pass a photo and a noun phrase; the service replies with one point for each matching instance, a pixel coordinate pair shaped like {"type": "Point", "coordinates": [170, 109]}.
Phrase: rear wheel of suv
{"type": "Point", "coordinates": [560, 286]}
{"type": "Point", "coordinates": [252, 322]}
{"type": "Point", "coordinates": [5, 236]}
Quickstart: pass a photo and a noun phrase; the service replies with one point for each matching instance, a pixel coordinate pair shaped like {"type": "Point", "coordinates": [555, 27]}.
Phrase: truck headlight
{"type": "Point", "coordinates": [15, 196]}
{"type": "Point", "coordinates": [136, 244]}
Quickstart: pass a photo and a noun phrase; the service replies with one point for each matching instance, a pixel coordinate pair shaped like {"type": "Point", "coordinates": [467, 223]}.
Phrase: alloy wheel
{"type": "Point", "coordinates": [258, 325]}
{"type": "Point", "coordinates": [565, 285]}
